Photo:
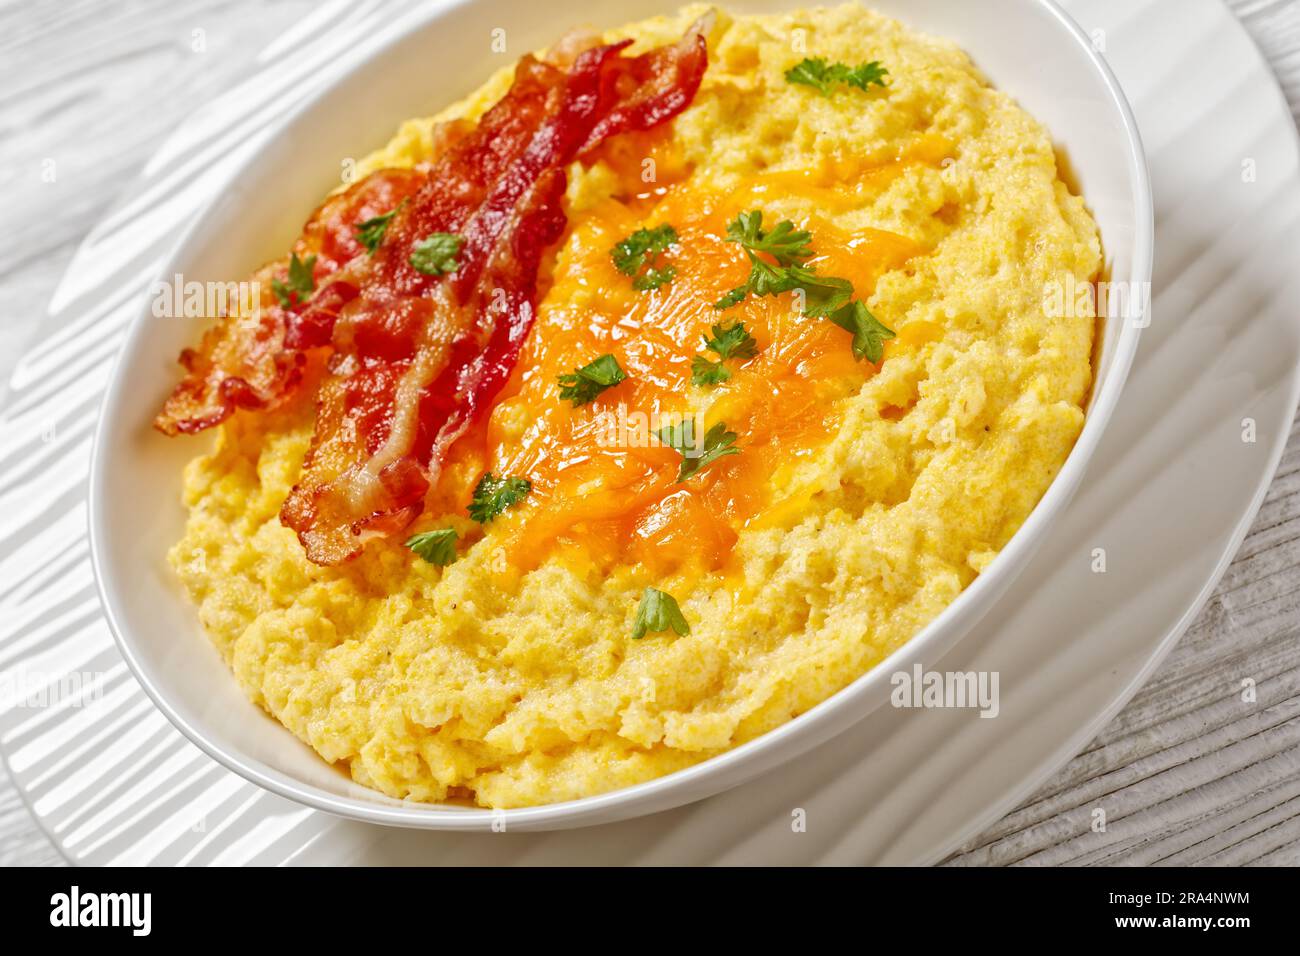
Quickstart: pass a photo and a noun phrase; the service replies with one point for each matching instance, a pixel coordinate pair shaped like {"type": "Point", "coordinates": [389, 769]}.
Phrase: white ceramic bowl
{"type": "Point", "coordinates": [1029, 48]}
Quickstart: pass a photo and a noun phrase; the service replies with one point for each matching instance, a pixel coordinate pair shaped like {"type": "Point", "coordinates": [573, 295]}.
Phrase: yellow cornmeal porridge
{"type": "Point", "coordinates": [516, 682]}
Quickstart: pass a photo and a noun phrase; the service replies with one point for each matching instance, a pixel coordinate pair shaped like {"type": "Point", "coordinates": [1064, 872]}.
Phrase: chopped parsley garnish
{"type": "Point", "coordinates": [301, 282]}
{"type": "Point", "coordinates": [783, 243]}
{"type": "Point", "coordinates": [817, 73]}
{"type": "Point", "coordinates": [654, 278]}
{"type": "Point", "coordinates": [371, 232]}
{"type": "Point", "coordinates": [734, 297]}
{"type": "Point", "coordinates": [584, 384]}
{"type": "Point", "coordinates": [436, 547]}
{"type": "Point", "coordinates": [641, 248]}
{"type": "Point", "coordinates": [826, 297]}
{"type": "Point", "coordinates": [822, 294]}
{"type": "Point", "coordinates": [658, 611]}
{"type": "Point", "coordinates": [435, 254]}
{"type": "Point", "coordinates": [731, 341]}
{"type": "Point", "coordinates": [638, 255]}
{"type": "Point", "coordinates": [728, 341]}
{"type": "Point", "coordinates": [493, 495]}
{"type": "Point", "coordinates": [718, 443]}
{"type": "Point", "coordinates": [705, 373]}
{"type": "Point", "coordinates": [869, 333]}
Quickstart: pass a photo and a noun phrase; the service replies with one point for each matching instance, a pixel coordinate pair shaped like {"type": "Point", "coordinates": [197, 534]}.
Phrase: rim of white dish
{"type": "Point", "coordinates": [1079, 739]}
{"type": "Point", "coordinates": [582, 811]}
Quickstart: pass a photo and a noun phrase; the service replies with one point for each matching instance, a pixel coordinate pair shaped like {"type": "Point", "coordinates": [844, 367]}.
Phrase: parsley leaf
{"type": "Point", "coordinates": [704, 372]}
{"type": "Point", "coordinates": [584, 384]}
{"type": "Point", "coordinates": [827, 297]}
{"type": "Point", "coordinates": [864, 74]}
{"type": "Point", "coordinates": [728, 341]}
{"type": "Point", "coordinates": [654, 278]}
{"type": "Point", "coordinates": [658, 611]}
{"type": "Point", "coordinates": [811, 71]}
{"type": "Point", "coordinates": [869, 333]}
{"type": "Point", "coordinates": [436, 547]}
{"type": "Point", "coordinates": [765, 279]}
{"type": "Point", "coordinates": [641, 247]}
{"type": "Point", "coordinates": [734, 297]}
{"type": "Point", "coordinates": [301, 277]}
{"type": "Point", "coordinates": [493, 495]}
{"type": "Point", "coordinates": [783, 243]}
{"type": "Point", "coordinates": [435, 254]}
{"type": "Point", "coordinates": [301, 282]}
{"type": "Point", "coordinates": [641, 250]}
{"type": "Point", "coordinates": [817, 73]}
{"type": "Point", "coordinates": [731, 341]}
{"type": "Point", "coordinates": [822, 294]}
{"type": "Point", "coordinates": [680, 436]}
{"type": "Point", "coordinates": [718, 443]}
{"type": "Point", "coordinates": [371, 232]}
{"type": "Point", "coordinates": [790, 248]}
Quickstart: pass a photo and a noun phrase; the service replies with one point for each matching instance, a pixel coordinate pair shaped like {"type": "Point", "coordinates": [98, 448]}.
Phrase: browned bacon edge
{"type": "Point", "coordinates": [413, 358]}
{"type": "Point", "coordinates": [254, 360]}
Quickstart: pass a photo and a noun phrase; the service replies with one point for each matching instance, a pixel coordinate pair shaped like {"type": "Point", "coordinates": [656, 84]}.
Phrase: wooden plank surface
{"type": "Point", "coordinates": [1184, 774]}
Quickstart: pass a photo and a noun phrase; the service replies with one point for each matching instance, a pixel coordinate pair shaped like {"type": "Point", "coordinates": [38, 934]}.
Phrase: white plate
{"type": "Point", "coordinates": [1169, 497]}
{"type": "Point", "coordinates": [133, 468]}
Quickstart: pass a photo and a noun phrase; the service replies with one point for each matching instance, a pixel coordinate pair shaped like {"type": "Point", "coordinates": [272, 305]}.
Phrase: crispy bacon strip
{"type": "Point", "coordinates": [417, 357]}
{"type": "Point", "coordinates": [255, 360]}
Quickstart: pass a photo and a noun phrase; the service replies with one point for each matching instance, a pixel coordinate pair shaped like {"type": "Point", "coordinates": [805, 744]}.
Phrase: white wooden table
{"type": "Point", "coordinates": [96, 87]}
